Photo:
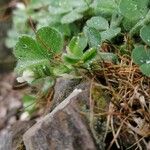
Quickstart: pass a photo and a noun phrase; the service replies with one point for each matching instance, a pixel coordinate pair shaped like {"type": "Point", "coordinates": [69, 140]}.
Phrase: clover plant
{"type": "Point", "coordinates": [141, 54]}
{"type": "Point", "coordinates": [70, 35]}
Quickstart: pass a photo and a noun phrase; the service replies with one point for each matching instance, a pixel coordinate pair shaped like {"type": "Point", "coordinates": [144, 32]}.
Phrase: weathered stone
{"type": "Point", "coordinates": [63, 88]}
{"type": "Point", "coordinates": [5, 141]}
{"type": "Point", "coordinates": [12, 140]}
{"type": "Point", "coordinates": [17, 130]}
{"type": "Point", "coordinates": [62, 129]}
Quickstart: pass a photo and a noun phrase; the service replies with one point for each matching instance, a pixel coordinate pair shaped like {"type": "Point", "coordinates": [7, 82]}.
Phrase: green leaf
{"type": "Point", "coordinates": [61, 69]}
{"type": "Point", "coordinates": [36, 65]}
{"type": "Point", "coordinates": [48, 20]}
{"type": "Point", "coordinates": [77, 45]}
{"type": "Point", "coordinates": [145, 34]}
{"type": "Point", "coordinates": [68, 3]}
{"type": "Point", "coordinates": [58, 10]}
{"type": "Point", "coordinates": [107, 57]}
{"type": "Point", "coordinates": [71, 17]}
{"type": "Point", "coordinates": [110, 33]}
{"type": "Point", "coordinates": [128, 24]}
{"type": "Point", "coordinates": [98, 23]}
{"type": "Point", "coordinates": [38, 4]}
{"type": "Point", "coordinates": [133, 10]}
{"type": "Point", "coordinates": [94, 37]}
{"type": "Point", "coordinates": [64, 29]}
{"type": "Point", "coordinates": [115, 20]}
{"type": "Point", "coordinates": [89, 55]}
{"type": "Point", "coordinates": [27, 48]}
{"type": "Point", "coordinates": [137, 7]}
{"type": "Point", "coordinates": [145, 69]}
{"type": "Point", "coordinates": [70, 60]}
{"type": "Point", "coordinates": [47, 84]}
{"type": "Point", "coordinates": [141, 55]}
{"type": "Point", "coordinates": [81, 9]}
{"type": "Point", "coordinates": [50, 39]}
{"type": "Point", "coordinates": [29, 54]}
{"type": "Point", "coordinates": [105, 7]}
{"type": "Point", "coordinates": [29, 103]}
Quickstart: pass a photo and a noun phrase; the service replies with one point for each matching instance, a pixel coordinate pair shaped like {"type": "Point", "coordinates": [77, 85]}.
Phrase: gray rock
{"type": "Point", "coordinates": [17, 131]}
{"type": "Point", "coordinates": [63, 88]}
{"type": "Point", "coordinates": [6, 141]}
{"type": "Point", "coordinates": [62, 129]}
{"type": "Point", "coordinates": [12, 140]}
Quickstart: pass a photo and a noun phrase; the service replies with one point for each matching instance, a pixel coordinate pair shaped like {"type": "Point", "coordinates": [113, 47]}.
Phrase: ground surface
{"type": "Point", "coordinates": [10, 103]}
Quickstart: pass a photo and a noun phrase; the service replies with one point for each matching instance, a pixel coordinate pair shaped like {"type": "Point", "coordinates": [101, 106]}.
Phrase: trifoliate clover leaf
{"type": "Point", "coordinates": [27, 48]}
{"type": "Point", "coordinates": [85, 58]}
{"type": "Point", "coordinates": [69, 10]}
{"type": "Point", "coordinates": [77, 45]}
{"type": "Point", "coordinates": [129, 7]}
{"type": "Point", "coordinates": [141, 56]}
{"type": "Point", "coordinates": [145, 34]}
{"type": "Point", "coordinates": [60, 69]}
{"type": "Point", "coordinates": [137, 7]}
{"type": "Point", "coordinates": [93, 36]}
{"type": "Point", "coordinates": [81, 9]}
{"type": "Point", "coordinates": [107, 57]}
{"type": "Point", "coordinates": [71, 17]}
{"type": "Point", "coordinates": [64, 29]}
{"type": "Point", "coordinates": [69, 59]}
{"type": "Point", "coordinates": [29, 102]}
{"type": "Point", "coordinates": [105, 7]}
{"type": "Point", "coordinates": [50, 39]}
{"type": "Point", "coordinates": [58, 10]}
{"type": "Point", "coordinates": [37, 56]}
{"type": "Point", "coordinates": [67, 3]}
{"type": "Point", "coordinates": [29, 54]}
{"type": "Point", "coordinates": [145, 69]}
{"type": "Point", "coordinates": [98, 23]}
{"type": "Point", "coordinates": [37, 4]}
{"type": "Point", "coordinates": [110, 33]}
{"type": "Point", "coordinates": [89, 55]}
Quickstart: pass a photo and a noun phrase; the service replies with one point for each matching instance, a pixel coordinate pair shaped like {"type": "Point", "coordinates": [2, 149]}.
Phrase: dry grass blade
{"type": "Point", "coordinates": [130, 96]}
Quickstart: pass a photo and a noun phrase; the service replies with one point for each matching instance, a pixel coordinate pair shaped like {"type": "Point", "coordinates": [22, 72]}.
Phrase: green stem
{"type": "Point", "coordinates": [140, 24]}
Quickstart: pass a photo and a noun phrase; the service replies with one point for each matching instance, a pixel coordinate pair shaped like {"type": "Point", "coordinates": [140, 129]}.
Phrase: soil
{"type": "Point", "coordinates": [10, 103]}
